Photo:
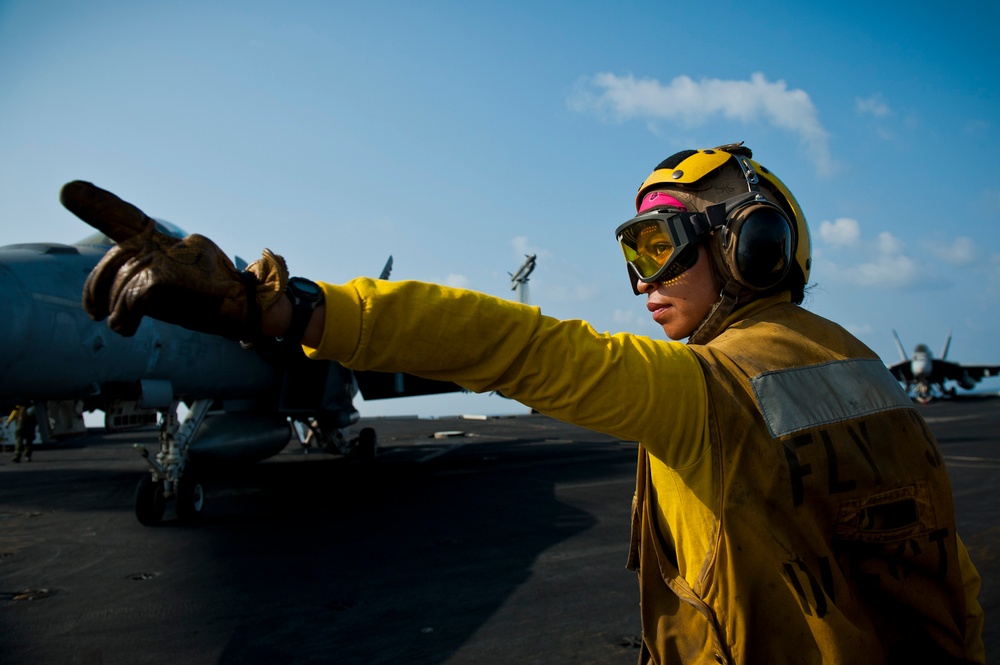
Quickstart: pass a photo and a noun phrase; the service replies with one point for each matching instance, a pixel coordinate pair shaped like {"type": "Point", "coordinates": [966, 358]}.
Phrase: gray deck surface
{"type": "Point", "coordinates": [505, 543]}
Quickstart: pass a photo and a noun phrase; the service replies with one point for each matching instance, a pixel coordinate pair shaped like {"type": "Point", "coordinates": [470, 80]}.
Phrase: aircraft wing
{"type": "Point", "coordinates": [386, 385]}
{"type": "Point", "coordinates": [956, 372]}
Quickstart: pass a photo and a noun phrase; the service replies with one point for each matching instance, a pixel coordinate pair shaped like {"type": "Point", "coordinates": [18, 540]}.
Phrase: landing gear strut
{"type": "Point", "coordinates": [170, 475]}
{"type": "Point", "coordinates": [362, 448]}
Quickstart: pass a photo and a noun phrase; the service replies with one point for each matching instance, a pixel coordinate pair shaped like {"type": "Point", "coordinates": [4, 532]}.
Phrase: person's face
{"type": "Point", "coordinates": [680, 304]}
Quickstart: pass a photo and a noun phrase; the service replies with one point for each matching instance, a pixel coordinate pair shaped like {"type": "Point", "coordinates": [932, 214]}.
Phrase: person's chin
{"type": "Point", "coordinates": [674, 334]}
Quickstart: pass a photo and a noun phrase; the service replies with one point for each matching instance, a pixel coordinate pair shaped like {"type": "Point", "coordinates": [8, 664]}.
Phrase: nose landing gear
{"type": "Point", "coordinates": [170, 475]}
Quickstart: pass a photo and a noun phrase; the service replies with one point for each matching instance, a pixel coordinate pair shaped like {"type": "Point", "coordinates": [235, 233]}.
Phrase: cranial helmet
{"type": "Point", "coordinates": [755, 230]}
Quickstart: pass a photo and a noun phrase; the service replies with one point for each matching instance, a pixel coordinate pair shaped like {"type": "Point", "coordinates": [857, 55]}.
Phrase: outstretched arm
{"type": "Point", "coordinates": [563, 368]}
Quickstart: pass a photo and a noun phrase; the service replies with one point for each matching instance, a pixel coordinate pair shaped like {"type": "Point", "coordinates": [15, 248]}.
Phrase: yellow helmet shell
{"type": "Point", "coordinates": [691, 173]}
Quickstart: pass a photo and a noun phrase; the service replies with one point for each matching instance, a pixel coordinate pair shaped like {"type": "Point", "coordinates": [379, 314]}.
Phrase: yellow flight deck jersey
{"type": "Point", "coordinates": [791, 505]}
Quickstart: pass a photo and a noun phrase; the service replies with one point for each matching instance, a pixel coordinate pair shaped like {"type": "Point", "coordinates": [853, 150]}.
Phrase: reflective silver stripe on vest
{"type": "Point", "coordinates": [803, 397]}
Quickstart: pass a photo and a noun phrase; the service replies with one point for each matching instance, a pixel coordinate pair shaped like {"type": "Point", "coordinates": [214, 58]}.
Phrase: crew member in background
{"type": "Point", "coordinates": [25, 424]}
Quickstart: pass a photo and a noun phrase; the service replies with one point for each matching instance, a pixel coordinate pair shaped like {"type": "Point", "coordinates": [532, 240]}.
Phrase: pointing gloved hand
{"type": "Point", "coordinates": [189, 282]}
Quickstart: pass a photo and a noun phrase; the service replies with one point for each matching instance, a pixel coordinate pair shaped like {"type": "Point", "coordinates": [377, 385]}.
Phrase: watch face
{"type": "Point", "coordinates": [306, 287]}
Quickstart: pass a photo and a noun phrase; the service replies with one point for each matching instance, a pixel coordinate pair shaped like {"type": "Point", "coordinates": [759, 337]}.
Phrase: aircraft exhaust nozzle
{"type": "Point", "coordinates": [239, 438]}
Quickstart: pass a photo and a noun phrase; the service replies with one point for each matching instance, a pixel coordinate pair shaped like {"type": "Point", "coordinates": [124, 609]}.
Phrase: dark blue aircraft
{"type": "Point", "coordinates": [241, 405]}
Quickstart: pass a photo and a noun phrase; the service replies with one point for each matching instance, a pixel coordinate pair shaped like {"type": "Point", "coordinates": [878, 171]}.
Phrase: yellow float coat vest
{"type": "Point", "coordinates": [833, 533]}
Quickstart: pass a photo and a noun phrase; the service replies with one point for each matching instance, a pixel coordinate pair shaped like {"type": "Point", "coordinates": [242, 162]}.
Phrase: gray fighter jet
{"type": "Point", "coordinates": [927, 376]}
{"type": "Point", "coordinates": [241, 405]}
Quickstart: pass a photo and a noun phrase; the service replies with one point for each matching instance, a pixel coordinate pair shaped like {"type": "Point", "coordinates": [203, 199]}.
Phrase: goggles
{"type": "Point", "coordinates": [661, 244]}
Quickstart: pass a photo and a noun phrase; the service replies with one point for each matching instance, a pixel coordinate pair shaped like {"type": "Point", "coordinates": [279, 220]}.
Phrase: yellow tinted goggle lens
{"type": "Point", "coordinates": [647, 247]}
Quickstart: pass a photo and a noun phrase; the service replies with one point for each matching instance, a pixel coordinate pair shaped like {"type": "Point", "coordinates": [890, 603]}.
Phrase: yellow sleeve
{"type": "Point", "coordinates": [628, 386]}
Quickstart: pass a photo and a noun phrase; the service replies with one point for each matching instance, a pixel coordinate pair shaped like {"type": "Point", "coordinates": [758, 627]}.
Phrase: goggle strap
{"type": "Point", "coordinates": [716, 215]}
{"type": "Point", "coordinates": [719, 213]}
{"type": "Point", "coordinates": [693, 228]}
{"type": "Point", "coordinates": [686, 232]}
{"type": "Point", "coordinates": [737, 201]}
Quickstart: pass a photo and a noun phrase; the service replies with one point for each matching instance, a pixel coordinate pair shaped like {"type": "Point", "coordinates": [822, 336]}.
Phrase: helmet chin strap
{"type": "Point", "coordinates": [729, 294]}
{"type": "Point", "coordinates": [711, 325]}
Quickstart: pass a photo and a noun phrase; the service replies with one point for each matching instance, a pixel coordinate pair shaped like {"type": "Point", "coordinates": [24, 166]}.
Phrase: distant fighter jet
{"type": "Point", "coordinates": [926, 376]}
{"type": "Point", "coordinates": [243, 405]}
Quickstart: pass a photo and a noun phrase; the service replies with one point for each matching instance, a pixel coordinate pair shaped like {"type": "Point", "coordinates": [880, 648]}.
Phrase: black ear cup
{"type": "Point", "coordinates": [759, 247]}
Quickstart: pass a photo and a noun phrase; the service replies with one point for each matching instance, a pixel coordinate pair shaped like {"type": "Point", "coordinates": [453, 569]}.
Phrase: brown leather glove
{"type": "Point", "coordinates": [189, 282]}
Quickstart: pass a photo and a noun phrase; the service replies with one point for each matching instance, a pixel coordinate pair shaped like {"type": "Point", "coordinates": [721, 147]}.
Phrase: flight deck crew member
{"type": "Point", "coordinates": [791, 505]}
{"type": "Point", "coordinates": [25, 423]}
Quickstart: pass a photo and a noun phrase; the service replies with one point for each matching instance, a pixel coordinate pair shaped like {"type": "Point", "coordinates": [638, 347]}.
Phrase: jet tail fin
{"type": "Point", "coordinates": [387, 269]}
{"type": "Point", "coordinates": [899, 345]}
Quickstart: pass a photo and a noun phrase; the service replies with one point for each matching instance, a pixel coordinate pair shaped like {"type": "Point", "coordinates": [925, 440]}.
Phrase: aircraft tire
{"type": "Point", "coordinates": [333, 440]}
{"type": "Point", "coordinates": [149, 501]}
{"type": "Point", "coordinates": [190, 499]}
{"type": "Point", "coordinates": [367, 446]}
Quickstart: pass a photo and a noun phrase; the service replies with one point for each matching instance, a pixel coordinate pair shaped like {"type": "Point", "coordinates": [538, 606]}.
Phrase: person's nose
{"type": "Point", "coordinates": [644, 288]}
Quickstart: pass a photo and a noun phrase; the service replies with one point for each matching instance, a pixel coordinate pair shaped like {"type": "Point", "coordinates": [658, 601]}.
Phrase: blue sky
{"type": "Point", "coordinates": [459, 136]}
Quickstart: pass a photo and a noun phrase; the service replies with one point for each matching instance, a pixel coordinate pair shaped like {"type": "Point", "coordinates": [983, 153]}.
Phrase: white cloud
{"type": "Point", "coordinates": [522, 248]}
{"type": "Point", "coordinates": [961, 252]}
{"type": "Point", "coordinates": [888, 266]}
{"type": "Point", "coordinates": [874, 105]}
{"type": "Point", "coordinates": [888, 244]}
{"type": "Point", "coordinates": [521, 245]}
{"type": "Point", "coordinates": [693, 103]}
{"type": "Point", "coordinates": [886, 270]}
{"type": "Point", "coordinates": [457, 281]}
{"type": "Point", "coordinates": [859, 329]}
{"type": "Point", "coordinates": [625, 318]}
{"type": "Point", "coordinates": [882, 263]}
{"type": "Point", "coordinates": [840, 232]}
{"type": "Point", "coordinates": [574, 294]}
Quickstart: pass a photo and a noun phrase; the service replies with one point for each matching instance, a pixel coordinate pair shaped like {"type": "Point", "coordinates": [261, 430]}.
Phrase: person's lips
{"type": "Point", "coordinates": [658, 309]}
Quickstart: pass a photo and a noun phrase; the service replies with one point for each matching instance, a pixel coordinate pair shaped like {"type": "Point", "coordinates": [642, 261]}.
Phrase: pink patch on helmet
{"type": "Point", "coordinates": [658, 199]}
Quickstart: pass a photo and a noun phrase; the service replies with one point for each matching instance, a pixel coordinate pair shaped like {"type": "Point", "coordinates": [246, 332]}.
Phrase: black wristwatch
{"type": "Point", "coordinates": [306, 296]}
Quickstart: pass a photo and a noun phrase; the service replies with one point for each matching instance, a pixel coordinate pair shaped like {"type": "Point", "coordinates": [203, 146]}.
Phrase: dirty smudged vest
{"type": "Point", "coordinates": [834, 533]}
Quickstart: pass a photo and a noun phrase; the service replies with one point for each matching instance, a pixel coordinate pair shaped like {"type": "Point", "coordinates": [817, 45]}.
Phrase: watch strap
{"type": "Point", "coordinates": [303, 306]}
